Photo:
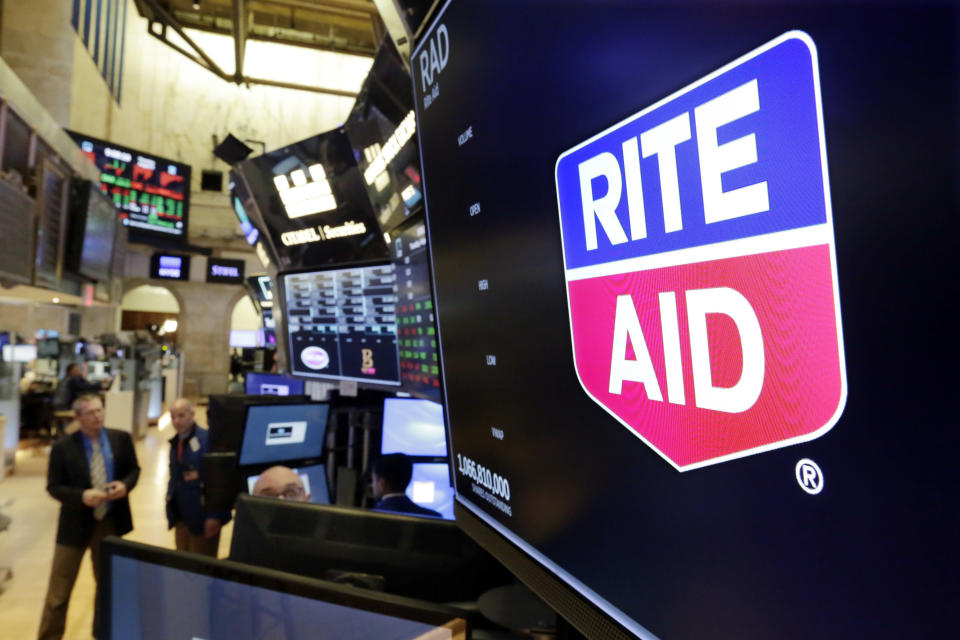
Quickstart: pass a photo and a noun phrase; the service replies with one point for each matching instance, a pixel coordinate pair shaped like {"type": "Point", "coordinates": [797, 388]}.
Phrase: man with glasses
{"type": "Point", "coordinates": [281, 482]}
{"type": "Point", "coordinates": [90, 473]}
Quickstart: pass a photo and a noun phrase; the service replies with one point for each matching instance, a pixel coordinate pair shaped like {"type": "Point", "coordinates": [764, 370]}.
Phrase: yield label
{"type": "Point", "coordinates": [700, 263]}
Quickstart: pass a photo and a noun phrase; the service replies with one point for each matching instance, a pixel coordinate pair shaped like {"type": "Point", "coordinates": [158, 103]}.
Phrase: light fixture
{"type": "Point", "coordinates": [56, 301]}
{"type": "Point", "coordinates": [196, 5]}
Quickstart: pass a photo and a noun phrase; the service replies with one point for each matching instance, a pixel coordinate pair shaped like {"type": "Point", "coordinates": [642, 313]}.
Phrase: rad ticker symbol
{"type": "Point", "coordinates": [809, 476]}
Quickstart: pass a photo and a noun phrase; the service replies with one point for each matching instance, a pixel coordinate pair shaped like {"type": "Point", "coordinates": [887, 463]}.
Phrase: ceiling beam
{"type": "Point", "coordinates": [239, 36]}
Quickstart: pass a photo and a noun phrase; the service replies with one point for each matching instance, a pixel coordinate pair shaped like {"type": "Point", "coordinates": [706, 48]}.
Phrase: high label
{"type": "Point", "coordinates": [700, 264]}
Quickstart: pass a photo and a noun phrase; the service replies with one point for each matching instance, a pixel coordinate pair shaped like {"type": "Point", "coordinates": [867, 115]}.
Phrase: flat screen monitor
{"type": "Point", "coordinates": [93, 230]}
{"type": "Point", "coordinates": [48, 348]}
{"type": "Point", "coordinates": [151, 193]}
{"type": "Point", "coordinates": [151, 593]}
{"type": "Point", "coordinates": [314, 478]}
{"type": "Point", "coordinates": [430, 487]}
{"type": "Point", "coordinates": [416, 317]}
{"type": "Point", "coordinates": [170, 266]}
{"type": "Point", "coordinates": [22, 353]}
{"type": "Point", "coordinates": [382, 131]}
{"type": "Point", "coordinates": [313, 203]}
{"type": "Point", "coordinates": [675, 392]}
{"type": "Point", "coordinates": [425, 558]}
{"type": "Point", "coordinates": [226, 414]}
{"type": "Point", "coordinates": [414, 427]}
{"type": "Point", "coordinates": [245, 338]}
{"type": "Point", "coordinates": [283, 433]}
{"type": "Point", "coordinates": [272, 384]}
{"type": "Point", "coordinates": [342, 324]}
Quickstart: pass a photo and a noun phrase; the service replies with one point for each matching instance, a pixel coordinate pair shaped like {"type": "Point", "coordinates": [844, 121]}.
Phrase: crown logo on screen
{"type": "Point", "coordinates": [301, 197]}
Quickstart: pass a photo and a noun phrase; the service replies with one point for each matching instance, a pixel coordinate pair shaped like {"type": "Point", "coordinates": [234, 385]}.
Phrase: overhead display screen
{"type": "Point", "coordinates": [151, 193]}
{"type": "Point", "coordinates": [240, 200]}
{"type": "Point", "coordinates": [382, 128]}
{"type": "Point", "coordinates": [667, 355]}
{"type": "Point", "coordinates": [313, 203]}
{"type": "Point", "coordinates": [342, 324]}
{"type": "Point", "coordinates": [225, 271]}
{"type": "Point", "coordinates": [169, 266]}
{"type": "Point", "coordinates": [417, 327]}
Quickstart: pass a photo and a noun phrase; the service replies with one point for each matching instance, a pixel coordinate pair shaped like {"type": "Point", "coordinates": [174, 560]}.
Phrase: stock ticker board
{"type": "Point", "coordinates": [342, 324]}
{"type": "Point", "coordinates": [151, 193]}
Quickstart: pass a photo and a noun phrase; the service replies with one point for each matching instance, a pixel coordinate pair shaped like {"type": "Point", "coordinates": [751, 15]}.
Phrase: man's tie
{"type": "Point", "coordinates": [98, 477]}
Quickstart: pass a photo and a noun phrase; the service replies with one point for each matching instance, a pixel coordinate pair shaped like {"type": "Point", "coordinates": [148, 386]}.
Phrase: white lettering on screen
{"type": "Point", "coordinates": [225, 272]}
{"type": "Point", "coordinates": [662, 141]}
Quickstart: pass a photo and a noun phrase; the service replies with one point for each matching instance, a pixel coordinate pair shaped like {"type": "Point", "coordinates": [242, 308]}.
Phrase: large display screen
{"type": "Point", "coordinates": [382, 128]}
{"type": "Point", "coordinates": [99, 234]}
{"type": "Point", "coordinates": [643, 261]}
{"type": "Point", "coordinates": [414, 427]}
{"type": "Point", "coordinates": [416, 321]}
{"type": "Point", "coordinates": [275, 433]}
{"type": "Point", "coordinates": [151, 593]}
{"type": "Point", "coordinates": [342, 324]}
{"type": "Point", "coordinates": [240, 200]}
{"type": "Point", "coordinates": [313, 202]}
{"type": "Point", "coordinates": [170, 266]}
{"type": "Point", "coordinates": [151, 193]}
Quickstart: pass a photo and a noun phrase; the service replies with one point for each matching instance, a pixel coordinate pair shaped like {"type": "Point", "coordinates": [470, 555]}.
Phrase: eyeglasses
{"type": "Point", "coordinates": [289, 492]}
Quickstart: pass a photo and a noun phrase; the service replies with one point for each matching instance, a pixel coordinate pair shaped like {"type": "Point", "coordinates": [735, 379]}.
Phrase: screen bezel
{"type": "Point", "coordinates": [277, 581]}
{"type": "Point", "coordinates": [287, 462]}
{"type": "Point", "coordinates": [280, 289]}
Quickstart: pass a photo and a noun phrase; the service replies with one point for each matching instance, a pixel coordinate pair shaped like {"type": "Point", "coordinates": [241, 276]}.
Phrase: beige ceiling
{"type": "Point", "coordinates": [346, 26]}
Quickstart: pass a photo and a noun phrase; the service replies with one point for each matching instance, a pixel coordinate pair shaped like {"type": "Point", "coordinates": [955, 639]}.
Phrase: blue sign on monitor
{"type": "Point", "coordinates": [414, 427]}
{"type": "Point", "coordinates": [276, 433]}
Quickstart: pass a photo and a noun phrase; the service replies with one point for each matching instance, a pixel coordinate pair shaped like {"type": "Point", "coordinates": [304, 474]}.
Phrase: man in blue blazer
{"type": "Point", "coordinates": [195, 529]}
{"type": "Point", "coordinates": [90, 473]}
{"type": "Point", "coordinates": [391, 475]}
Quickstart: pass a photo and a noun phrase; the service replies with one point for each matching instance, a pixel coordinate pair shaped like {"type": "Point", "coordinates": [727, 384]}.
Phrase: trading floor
{"type": "Point", "coordinates": [28, 544]}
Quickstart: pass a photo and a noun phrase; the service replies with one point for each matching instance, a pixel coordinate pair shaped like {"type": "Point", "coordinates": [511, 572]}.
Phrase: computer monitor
{"type": "Point", "coordinates": [314, 478]}
{"type": "Point", "coordinates": [19, 353]}
{"type": "Point", "coordinates": [282, 433]}
{"type": "Point", "coordinates": [430, 487]}
{"type": "Point", "coordinates": [414, 427]}
{"type": "Point", "coordinates": [272, 384]}
{"type": "Point", "coordinates": [151, 593]}
{"type": "Point", "coordinates": [694, 331]}
{"type": "Point", "coordinates": [342, 324]}
{"type": "Point", "coordinates": [48, 348]}
{"type": "Point", "coordinates": [424, 558]}
{"type": "Point", "coordinates": [226, 414]}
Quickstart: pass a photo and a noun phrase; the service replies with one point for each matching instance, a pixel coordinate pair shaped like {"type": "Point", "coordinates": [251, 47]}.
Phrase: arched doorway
{"type": "Point", "coordinates": [151, 308]}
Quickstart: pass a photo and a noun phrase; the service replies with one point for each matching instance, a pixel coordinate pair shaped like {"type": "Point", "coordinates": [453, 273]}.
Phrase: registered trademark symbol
{"type": "Point", "coordinates": [809, 476]}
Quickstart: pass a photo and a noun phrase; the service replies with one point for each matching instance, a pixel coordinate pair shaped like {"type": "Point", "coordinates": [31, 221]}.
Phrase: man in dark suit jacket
{"type": "Point", "coordinates": [391, 475]}
{"type": "Point", "coordinates": [90, 473]}
{"type": "Point", "coordinates": [196, 529]}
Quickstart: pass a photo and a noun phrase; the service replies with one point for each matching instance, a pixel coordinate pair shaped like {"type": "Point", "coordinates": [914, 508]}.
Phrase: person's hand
{"type": "Point", "coordinates": [116, 490]}
{"type": "Point", "coordinates": [211, 527]}
{"type": "Point", "coordinates": [93, 497]}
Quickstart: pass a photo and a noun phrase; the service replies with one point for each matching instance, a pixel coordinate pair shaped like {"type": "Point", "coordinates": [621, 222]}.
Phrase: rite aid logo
{"type": "Point", "coordinates": [700, 264]}
{"type": "Point", "coordinates": [315, 358]}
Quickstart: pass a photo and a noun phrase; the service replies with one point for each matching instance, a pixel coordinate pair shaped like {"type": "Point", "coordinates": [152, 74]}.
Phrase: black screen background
{"type": "Point", "coordinates": [735, 549]}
